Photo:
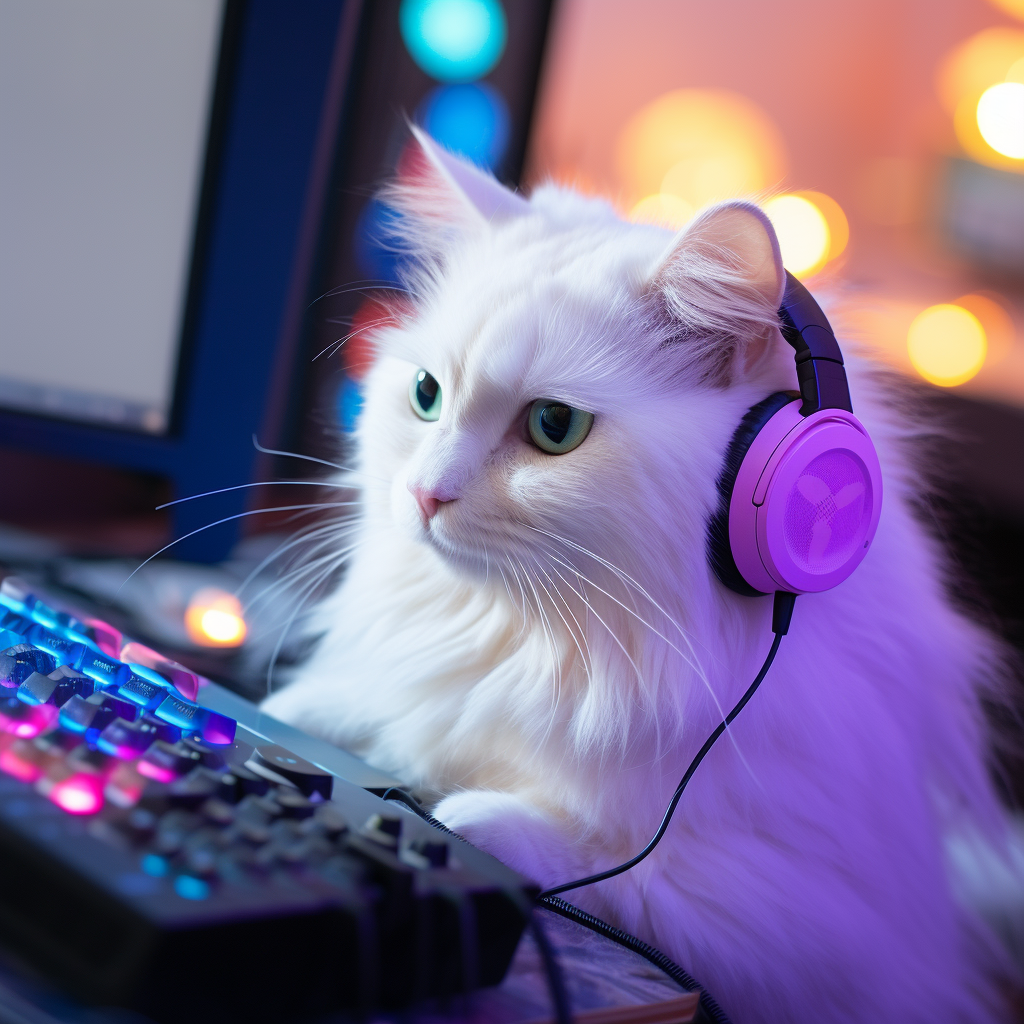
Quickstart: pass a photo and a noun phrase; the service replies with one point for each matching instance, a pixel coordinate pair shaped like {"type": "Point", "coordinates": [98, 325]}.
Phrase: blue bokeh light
{"type": "Point", "coordinates": [469, 119]}
{"type": "Point", "coordinates": [454, 40]}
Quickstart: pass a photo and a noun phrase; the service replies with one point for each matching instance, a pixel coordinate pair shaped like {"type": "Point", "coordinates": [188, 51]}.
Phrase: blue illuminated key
{"type": "Point", "coordinates": [144, 692]}
{"type": "Point", "coordinates": [186, 715]}
{"type": "Point", "coordinates": [44, 614]}
{"type": "Point", "coordinates": [17, 663]}
{"type": "Point", "coordinates": [105, 670]}
{"type": "Point", "coordinates": [67, 652]}
{"type": "Point", "coordinates": [9, 638]}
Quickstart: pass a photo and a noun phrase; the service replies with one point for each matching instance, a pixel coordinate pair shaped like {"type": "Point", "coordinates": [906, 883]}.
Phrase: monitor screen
{"type": "Point", "coordinates": [104, 114]}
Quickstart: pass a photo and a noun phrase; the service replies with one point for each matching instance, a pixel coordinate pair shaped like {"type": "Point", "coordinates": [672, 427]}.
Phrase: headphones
{"type": "Point", "coordinates": [801, 491]}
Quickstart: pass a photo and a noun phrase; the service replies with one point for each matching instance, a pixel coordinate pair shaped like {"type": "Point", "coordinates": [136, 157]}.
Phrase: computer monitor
{"type": "Point", "coordinates": [176, 187]}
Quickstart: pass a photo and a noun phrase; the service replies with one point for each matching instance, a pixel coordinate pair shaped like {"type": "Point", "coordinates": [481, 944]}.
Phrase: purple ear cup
{"type": "Point", "coordinates": [801, 490]}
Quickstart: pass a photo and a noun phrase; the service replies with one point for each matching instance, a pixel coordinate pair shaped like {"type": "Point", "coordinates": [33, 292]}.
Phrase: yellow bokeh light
{"type": "Point", "coordinates": [996, 322]}
{"type": "Point", "coordinates": [699, 145]}
{"type": "Point", "coordinates": [983, 60]}
{"type": "Point", "coordinates": [214, 618]}
{"type": "Point", "coordinates": [946, 344]}
{"type": "Point", "coordinates": [1000, 116]}
{"type": "Point", "coordinates": [804, 237]}
{"type": "Point", "coordinates": [1015, 8]}
{"type": "Point", "coordinates": [835, 218]}
{"type": "Point", "coordinates": [667, 211]}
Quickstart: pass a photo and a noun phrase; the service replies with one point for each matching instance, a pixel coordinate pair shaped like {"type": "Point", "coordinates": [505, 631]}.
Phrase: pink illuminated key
{"type": "Point", "coordinates": [27, 721]}
{"type": "Point", "coordinates": [184, 681]}
{"type": "Point", "coordinates": [78, 794]}
{"type": "Point", "coordinates": [106, 638]}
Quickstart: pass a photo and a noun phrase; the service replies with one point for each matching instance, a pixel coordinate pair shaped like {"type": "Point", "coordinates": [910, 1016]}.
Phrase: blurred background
{"type": "Point", "coordinates": [229, 177]}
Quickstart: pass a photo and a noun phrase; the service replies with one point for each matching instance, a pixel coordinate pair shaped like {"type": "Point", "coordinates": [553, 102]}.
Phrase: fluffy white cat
{"type": "Point", "coordinates": [536, 638]}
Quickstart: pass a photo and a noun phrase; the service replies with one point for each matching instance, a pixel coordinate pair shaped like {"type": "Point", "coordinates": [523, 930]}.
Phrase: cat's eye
{"type": "Point", "coordinates": [556, 428]}
{"type": "Point", "coordinates": [425, 396]}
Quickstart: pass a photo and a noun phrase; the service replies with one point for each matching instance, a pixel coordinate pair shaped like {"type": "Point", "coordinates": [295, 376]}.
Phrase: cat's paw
{"type": "Point", "coordinates": [515, 831]}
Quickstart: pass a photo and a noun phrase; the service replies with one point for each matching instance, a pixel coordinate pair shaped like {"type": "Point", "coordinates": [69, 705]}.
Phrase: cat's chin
{"type": "Point", "coordinates": [465, 560]}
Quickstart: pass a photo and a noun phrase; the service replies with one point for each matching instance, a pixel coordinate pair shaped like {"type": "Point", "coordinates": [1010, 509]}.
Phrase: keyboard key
{"type": "Point", "coordinates": [43, 614]}
{"type": "Point", "coordinates": [184, 681]}
{"type": "Point", "coordinates": [239, 783]}
{"type": "Point", "coordinates": [306, 776]}
{"type": "Point", "coordinates": [172, 830]}
{"type": "Point", "coordinates": [194, 789]}
{"type": "Point", "coordinates": [26, 720]}
{"type": "Point", "coordinates": [142, 690]}
{"type": "Point", "coordinates": [16, 594]}
{"type": "Point", "coordinates": [90, 715]}
{"type": "Point", "coordinates": [126, 740]}
{"type": "Point", "coordinates": [166, 762]}
{"type": "Point", "coordinates": [187, 716]}
{"type": "Point", "coordinates": [218, 730]}
{"type": "Point", "coordinates": [57, 688]}
{"type": "Point", "coordinates": [12, 633]}
{"type": "Point", "coordinates": [105, 670]}
{"type": "Point", "coordinates": [165, 732]}
{"type": "Point", "coordinates": [293, 804]}
{"type": "Point", "coordinates": [19, 662]}
{"type": "Point", "coordinates": [433, 851]}
{"type": "Point", "coordinates": [77, 792]}
{"type": "Point", "coordinates": [106, 637]}
{"type": "Point", "coordinates": [125, 785]}
{"type": "Point", "coordinates": [66, 652]}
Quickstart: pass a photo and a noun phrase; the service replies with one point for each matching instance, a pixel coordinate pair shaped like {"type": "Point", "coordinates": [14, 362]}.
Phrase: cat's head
{"type": "Point", "coordinates": [560, 398]}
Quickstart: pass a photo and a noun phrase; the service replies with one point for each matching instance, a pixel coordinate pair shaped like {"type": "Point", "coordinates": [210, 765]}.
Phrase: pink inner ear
{"type": "Point", "coordinates": [481, 190]}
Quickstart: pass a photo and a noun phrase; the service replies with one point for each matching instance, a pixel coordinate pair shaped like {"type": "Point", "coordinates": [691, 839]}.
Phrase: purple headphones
{"type": "Point", "coordinates": [801, 490]}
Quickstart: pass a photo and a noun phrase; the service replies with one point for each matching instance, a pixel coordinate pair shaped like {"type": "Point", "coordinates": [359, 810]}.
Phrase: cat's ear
{"type": "Point", "coordinates": [722, 282]}
{"type": "Point", "coordinates": [437, 186]}
{"type": "Point", "coordinates": [737, 239]}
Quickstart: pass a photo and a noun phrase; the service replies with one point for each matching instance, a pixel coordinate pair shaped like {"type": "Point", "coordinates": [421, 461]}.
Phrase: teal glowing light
{"type": "Point", "coordinates": [454, 40]}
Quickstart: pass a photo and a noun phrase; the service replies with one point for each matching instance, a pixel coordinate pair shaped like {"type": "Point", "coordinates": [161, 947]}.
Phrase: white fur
{"type": "Point", "coordinates": [495, 660]}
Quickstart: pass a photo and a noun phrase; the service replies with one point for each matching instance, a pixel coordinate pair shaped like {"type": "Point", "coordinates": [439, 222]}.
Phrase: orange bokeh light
{"type": "Point", "coordinates": [214, 618]}
{"type": "Point", "coordinates": [700, 146]}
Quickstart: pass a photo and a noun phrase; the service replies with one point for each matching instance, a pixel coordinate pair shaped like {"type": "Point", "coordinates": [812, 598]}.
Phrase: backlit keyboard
{"type": "Point", "coordinates": [157, 854]}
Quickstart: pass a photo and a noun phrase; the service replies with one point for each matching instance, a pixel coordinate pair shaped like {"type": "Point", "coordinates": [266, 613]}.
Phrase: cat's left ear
{"type": "Point", "coordinates": [436, 185]}
{"type": "Point", "coordinates": [722, 278]}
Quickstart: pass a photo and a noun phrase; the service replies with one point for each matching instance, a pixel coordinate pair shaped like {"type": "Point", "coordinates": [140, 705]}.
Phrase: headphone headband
{"type": "Point", "coordinates": [819, 363]}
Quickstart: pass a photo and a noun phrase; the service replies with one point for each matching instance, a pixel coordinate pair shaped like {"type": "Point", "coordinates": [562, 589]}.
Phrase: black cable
{"type": "Point", "coordinates": [782, 613]}
{"type": "Point", "coordinates": [712, 1011]}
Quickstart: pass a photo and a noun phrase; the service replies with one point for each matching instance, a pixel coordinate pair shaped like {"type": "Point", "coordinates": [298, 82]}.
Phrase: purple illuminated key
{"type": "Point", "coordinates": [126, 740]}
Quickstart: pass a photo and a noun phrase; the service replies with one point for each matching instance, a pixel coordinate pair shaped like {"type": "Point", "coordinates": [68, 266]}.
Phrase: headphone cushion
{"type": "Point", "coordinates": [720, 554]}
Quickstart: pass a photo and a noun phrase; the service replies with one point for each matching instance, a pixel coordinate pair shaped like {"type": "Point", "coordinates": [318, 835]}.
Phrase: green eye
{"type": "Point", "coordinates": [556, 428]}
{"type": "Point", "coordinates": [425, 396]}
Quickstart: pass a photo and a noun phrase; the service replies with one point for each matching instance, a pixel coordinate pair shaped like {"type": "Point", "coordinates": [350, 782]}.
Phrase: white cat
{"type": "Point", "coordinates": [529, 629]}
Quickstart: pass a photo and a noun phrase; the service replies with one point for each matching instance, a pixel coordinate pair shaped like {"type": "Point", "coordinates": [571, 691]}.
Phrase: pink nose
{"type": "Point", "coordinates": [428, 503]}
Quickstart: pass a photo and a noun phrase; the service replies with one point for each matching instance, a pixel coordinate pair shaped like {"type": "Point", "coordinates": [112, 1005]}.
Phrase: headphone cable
{"type": "Point", "coordinates": [782, 614]}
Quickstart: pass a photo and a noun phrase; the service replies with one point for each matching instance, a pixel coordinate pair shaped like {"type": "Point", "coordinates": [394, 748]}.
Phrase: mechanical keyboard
{"type": "Point", "coordinates": [167, 848]}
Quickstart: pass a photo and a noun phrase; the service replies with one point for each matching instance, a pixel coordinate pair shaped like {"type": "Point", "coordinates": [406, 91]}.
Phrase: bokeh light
{"type": "Point", "coordinates": [946, 344]}
{"type": "Point", "coordinates": [699, 145]}
{"type": "Point", "coordinates": [835, 218]}
{"type": "Point", "coordinates": [1001, 118]}
{"type": "Point", "coordinates": [804, 236]}
{"type": "Point", "coordinates": [471, 119]}
{"type": "Point", "coordinates": [992, 58]}
{"type": "Point", "coordinates": [662, 209]}
{"type": "Point", "coordinates": [1015, 8]}
{"type": "Point", "coordinates": [991, 312]}
{"type": "Point", "coordinates": [214, 618]}
{"type": "Point", "coordinates": [454, 40]}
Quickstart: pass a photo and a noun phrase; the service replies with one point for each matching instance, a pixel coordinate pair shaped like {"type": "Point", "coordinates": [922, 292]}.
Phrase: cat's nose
{"type": "Point", "coordinates": [428, 503]}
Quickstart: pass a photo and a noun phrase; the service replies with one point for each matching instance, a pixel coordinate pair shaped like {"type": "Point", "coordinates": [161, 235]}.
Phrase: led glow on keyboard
{"type": "Point", "coordinates": [191, 888]}
{"type": "Point", "coordinates": [81, 794]}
